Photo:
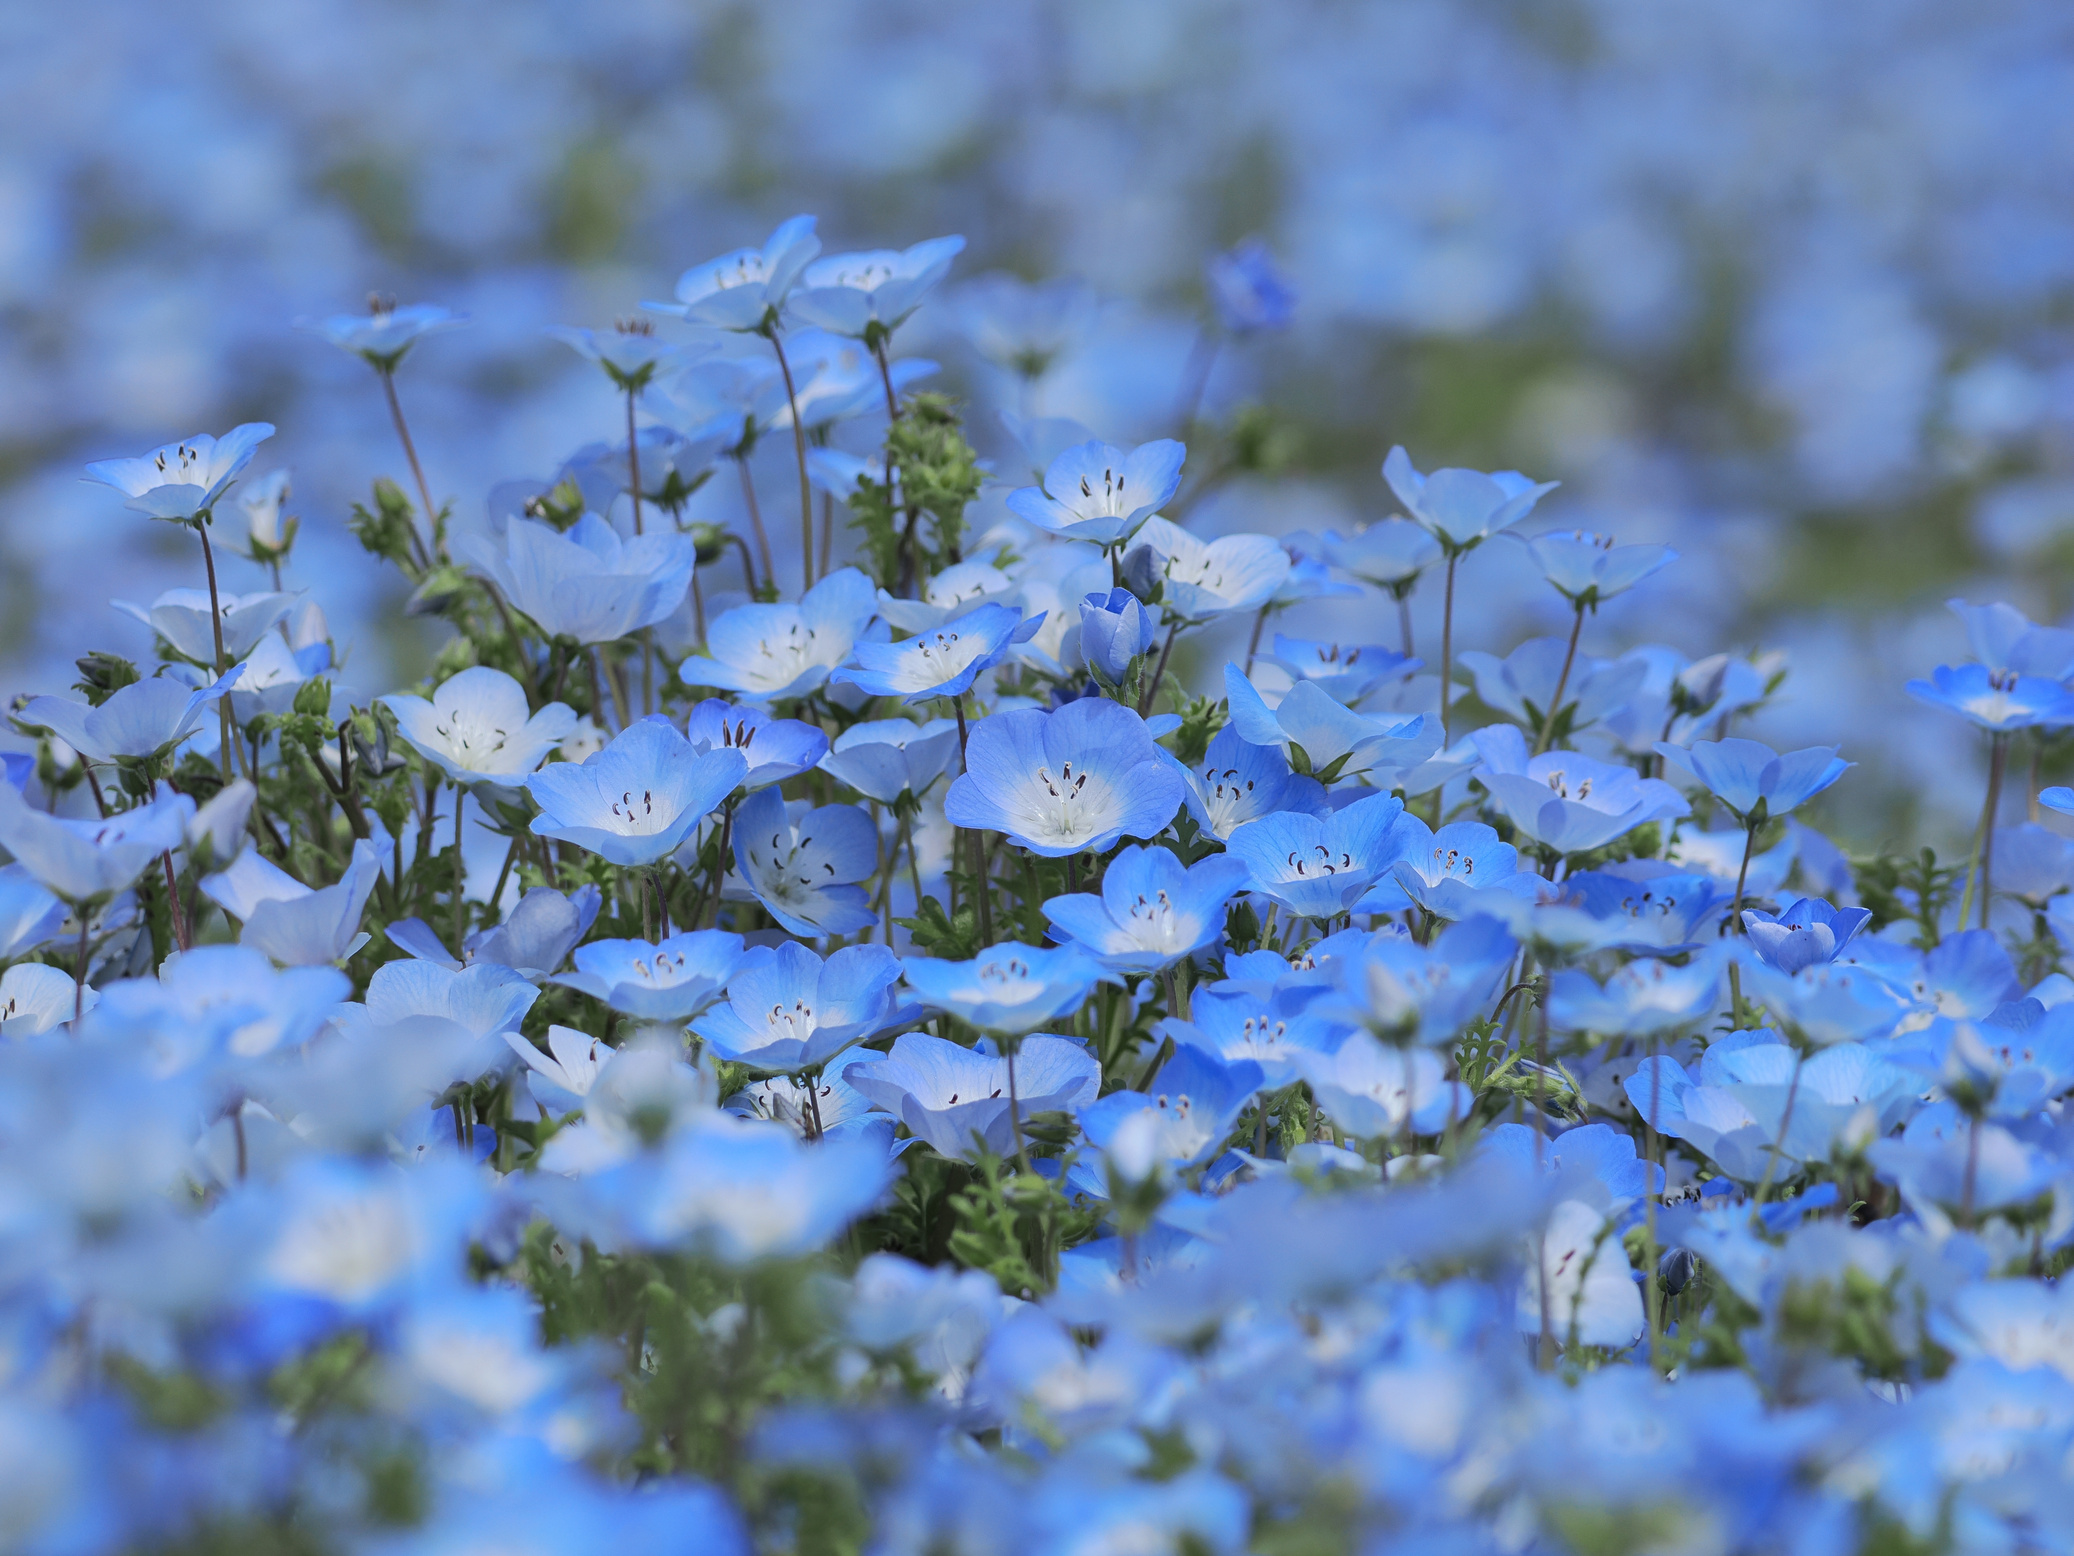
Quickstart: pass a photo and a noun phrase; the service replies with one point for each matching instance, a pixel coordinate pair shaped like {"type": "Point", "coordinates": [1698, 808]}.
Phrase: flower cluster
{"type": "Point", "coordinates": [876, 1059]}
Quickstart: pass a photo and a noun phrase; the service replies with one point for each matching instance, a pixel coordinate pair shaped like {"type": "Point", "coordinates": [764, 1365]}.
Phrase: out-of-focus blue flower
{"type": "Point", "coordinates": [2059, 797]}
{"type": "Point", "coordinates": [1115, 629]}
{"type": "Point", "coordinates": [1319, 735]}
{"type": "Point", "coordinates": [1321, 868]}
{"type": "Point", "coordinates": [144, 719]}
{"type": "Point", "coordinates": [1345, 672]}
{"type": "Point", "coordinates": [1996, 700]}
{"type": "Point", "coordinates": [385, 332]}
{"type": "Point", "coordinates": [775, 749]}
{"type": "Point", "coordinates": [1203, 579]}
{"type": "Point", "coordinates": [1152, 911]}
{"type": "Point", "coordinates": [1587, 570]}
{"type": "Point", "coordinates": [477, 729]}
{"type": "Point", "coordinates": [183, 481]}
{"type": "Point", "coordinates": [1179, 1120]}
{"type": "Point", "coordinates": [1960, 1166]}
{"type": "Point", "coordinates": [1566, 801]}
{"type": "Point", "coordinates": [1404, 992]}
{"type": "Point", "coordinates": [952, 592]}
{"type": "Point", "coordinates": [883, 759]}
{"type": "Point", "coordinates": [1371, 1089]}
{"type": "Point", "coordinates": [2004, 638]}
{"type": "Point", "coordinates": [1646, 998]}
{"type": "Point", "coordinates": [30, 914]}
{"type": "Point", "coordinates": [746, 288]}
{"type": "Point", "coordinates": [1237, 782]}
{"type": "Point", "coordinates": [1807, 933]}
{"type": "Point", "coordinates": [940, 662]}
{"type": "Point", "coordinates": [671, 981]}
{"type": "Point", "coordinates": [1022, 326]}
{"type": "Point", "coordinates": [1066, 782]}
{"type": "Point", "coordinates": [1462, 508]}
{"type": "Point", "coordinates": [1595, 1150]}
{"type": "Point", "coordinates": [1753, 781]}
{"type": "Point", "coordinates": [589, 585]}
{"type": "Point", "coordinates": [869, 295]}
{"type": "Point", "coordinates": [531, 941]}
{"type": "Point", "coordinates": [639, 798]}
{"type": "Point", "coordinates": [1008, 989]}
{"type": "Point", "coordinates": [35, 997]}
{"type": "Point", "coordinates": [183, 618]}
{"type": "Point", "coordinates": [772, 651]}
{"type": "Point", "coordinates": [1525, 682]}
{"type": "Point", "coordinates": [790, 1012]}
{"type": "Point", "coordinates": [1095, 491]}
{"type": "Point", "coordinates": [1249, 290]}
{"type": "Point", "coordinates": [90, 860]}
{"type": "Point", "coordinates": [1391, 553]}
{"type": "Point", "coordinates": [951, 1096]}
{"type": "Point", "coordinates": [630, 354]}
{"type": "Point", "coordinates": [804, 868]}
{"type": "Point", "coordinates": [292, 923]}
{"type": "Point", "coordinates": [1829, 1002]}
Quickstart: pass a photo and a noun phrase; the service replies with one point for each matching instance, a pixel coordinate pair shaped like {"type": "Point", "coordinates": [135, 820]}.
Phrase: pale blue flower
{"type": "Point", "coordinates": [1371, 1089]}
{"type": "Point", "coordinates": [1752, 780]}
{"type": "Point", "coordinates": [385, 332]}
{"type": "Point", "coordinates": [1008, 989]}
{"type": "Point", "coordinates": [671, 981]}
{"type": "Point", "coordinates": [1237, 782]}
{"type": "Point", "coordinates": [746, 288]}
{"type": "Point", "coordinates": [639, 798]}
{"type": "Point", "coordinates": [1023, 326]}
{"type": "Point", "coordinates": [1180, 1120]}
{"type": "Point", "coordinates": [835, 378]}
{"type": "Point", "coordinates": [630, 355]}
{"type": "Point", "coordinates": [1152, 911]}
{"type": "Point", "coordinates": [183, 481]}
{"type": "Point", "coordinates": [1094, 491]}
{"type": "Point", "coordinates": [789, 1012]}
{"type": "Point", "coordinates": [803, 864]}
{"type": "Point", "coordinates": [1345, 672]}
{"type": "Point", "coordinates": [1440, 871]}
{"type": "Point", "coordinates": [1318, 734]}
{"type": "Point", "coordinates": [1524, 682]}
{"type": "Point", "coordinates": [958, 1100]}
{"type": "Point", "coordinates": [1645, 998]}
{"type": "Point", "coordinates": [182, 618]}
{"type": "Point", "coordinates": [885, 758]}
{"type": "Point", "coordinates": [869, 295]}
{"type": "Point", "coordinates": [1391, 553]}
{"type": "Point", "coordinates": [589, 585]}
{"type": "Point", "coordinates": [1068, 782]}
{"type": "Point", "coordinates": [1804, 934]}
{"type": "Point", "coordinates": [1566, 801]}
{"type": "Point", "coordinates": [1827, 1002]}
{"type": "Point", "coordinates": [1235, 1024]}
{"type": "Point", "coordinates": [35, 997]}
{"type": "Point", "coordinates": [477, 727]}
{"type": "Point", "coordinates": [1997, 700]}
{"type": "Point", "coordinates": [776, 749]}
{"type": "Point", "coordinates": [2004, 638]}
{"type": "Point", "coordinates": [952, 592]}
{"type": "Point", "coordinates": [1115, 630]}
{"type": "Point", "coordinates": [1249, 290]}
{"type": "Point", "coordinates": [1203, 579]}
{"type": "Point", "coordinates": [1321, 867]}
{"type": "Point", "coordinates": [1588, 570]}
{"type": "Point", "coordinates": [89, 860]}
{"type": "Point", "coordinates": [30, 915]}
{"type": "Point", "coordinates": [294, 924]}
{"type": "Point", "coordinates": [1404, 992]}
{"type": "Point", "coordinates": [1462, 508]}
{"type": "Point", "coordinates": [772, 651]}
{"type": "Point", "coordinates": [941, 661]}
{"type": "Point", "coordinates": [145, 719]}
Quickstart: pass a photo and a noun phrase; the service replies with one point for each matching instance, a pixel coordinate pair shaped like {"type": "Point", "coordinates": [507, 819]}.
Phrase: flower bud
{"type": "Point", "coordinates": [1115, 628]}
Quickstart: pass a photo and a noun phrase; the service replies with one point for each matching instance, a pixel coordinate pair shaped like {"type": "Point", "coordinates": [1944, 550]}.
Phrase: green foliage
{"type": "Point", "coordinates": [101, 676]}
{"type": "Point", "coordinates": [1201, 718]}
{"type": "Point", "coordinates": [1013, 1225]}
{"type": "Point", "coordinates": [936, 475]}
{"type": "Point", "coordinates": [949, 937]}
{"type": "Point", "coordinates": [1917, 890]}
{"type": "Point", "coordinates": [388, 529]}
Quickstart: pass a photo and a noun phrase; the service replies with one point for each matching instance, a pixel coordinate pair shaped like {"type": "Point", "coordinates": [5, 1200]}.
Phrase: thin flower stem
{"type": "Point", "coordinates": [1404, 621]}
{"type": "Point", "coordinates": [1447, 652]}
{"type": "Point", "coordinates": [1984, 839]}
{"type": "Point", "coordinates": [1253, 643]}
{"type": "Point", "coordinates": [633, 462]}
{"type": "Point", "coordinates": [763, 541]}
{"type": "Point", "coordinates": [503, 875]}
{"type": "Point", "coordinates": [799, 449]}
{"type": "Point", "coordinates": [1159, 674]}
{"type": "Point", "coordinates": [698, 604]}
{"type": "Point", "coordinates": [1771, 1167]}
{"type": "Point", "coordinates": [1015, 1112]}
{"type": "Point", "coordinates": [201, 528]}
{"type": "Point", "coordinates": [79, 973]}
{"type": "Point", "coordinates": [1548, 719]}
{"type": "Point", "coordinates": [460, 876]}
{"type": "Point", "coordinates": [180, 932]}
{"type": "Point", "coordinates": [410, 452]}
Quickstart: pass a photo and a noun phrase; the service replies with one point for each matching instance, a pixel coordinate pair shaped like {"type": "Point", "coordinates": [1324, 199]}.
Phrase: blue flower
{"type": "Point", "coordinates": [2059, 798]}
{"type": "Point", "coordinates": [1565, 801]}
{"type": "Point", "coordinates": [639, 798]}
{"type": "Point", "coordinates": [1646, 998]}
{"type": "Point", "coordinates": [868, 295]}
{"type": "Point", "coordinates": [1404, 992]}
{"type": "Point", "coordinates": [1391, 554]}
{"type": "Point", "coordinates": [187, 619]}
{"type": "Point", "coordinates": [1023, 326]}
{"type": "Point", "coordinates": [1068, 782]}
{"type": "Point", "coordinates": [29, 914]}
{"type": "Point", "coordinates": [1237, 782]}
{"type": "Point", "coordinates": [1525, 681]}
{"type": "Point", "coordinates": [1199, 580]}
{"type": "Point", "coordinates": [477, 728]}
{"type": "Point", "coordinates": [1345, 672]}
{"type": "Point", "coordinates": [773, 651]}
{"type": "Point", "coordinates": [630, 355]}
{"type": "Point", "coordinates": [1008, 989]}
{"type": "Point", "coordinates": [1318, 734]}
{"type": "Point", "coordinates": [182, 482]}
{"type": "Point", "coordinates": [941, 662]}
{"type": "Point", "coordinates": [1153, 910]}
{"type": "Point", "coordinates": [144, 719]}
{"type": "Point", "coordinates": [1588, 570]}
{"type": "Point", "coordinates": [1462, 508]}
{"type": "Point", "coordinates": [1321, 868]}
{"type": "Point", "coordinates": [1371, 1089]}
{"type": "Point", "coordinates": [88, 860]}
{"type": "Point", "coordinates": [952, 592]}
{"type": "Point", "coordinates": [589, 585]}
{"type": "Point", "coordinates": [1808, 932]}
{"type": "Point", "coordinates": [776, 749]}
{"type": "Point", "coordinates": [1649, 907]}
{"type": "Point", "coordinates": [295, 925]}
{"type": "Point", "coordinates": [803, 869]}
{"type": "Point", "coordinates": [382, 335]}
{"type": "Point", "coordinates": [672, 981]}
{"type": "Point", "coordinates": [1752, 780]}
{"type": "Point", "coordinates": [958, 1099]}
{"type": "Point", "coordinates": [789, 1012]}
{"type": "Point", "coordinates": [885, 758]}
{"type": "Point", "coordinates": [1249, 290]}
{"type": "Point", "coordinates": [1094, 491]}
{"type": "Point", "coordinates": [1828, 1002]}
{"type": "Point", "coordinates": [1115, 629]}
{"type": "Point", "coordinates": [1440, 871]}
{"type": "Point", "coordinates": [2004, 638]}
{"type": "Point", "coordinates": [1599, 1150]}
{"type": "Point", "coordinates": [1180, 1120]}
{"type": "Point", "coordinates": [746, 289]}
{"type": "Point", "coordinates": [1235, 1024]}
{"type": "Point", "coordinates": [1997, 700]}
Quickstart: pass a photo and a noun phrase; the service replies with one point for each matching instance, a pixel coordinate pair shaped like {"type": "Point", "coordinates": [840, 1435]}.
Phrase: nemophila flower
{"type": "Point", "coordinates": [1345, 672]}
{"type": "Point", "coordinates": [385, 332]}
{"type": "Point", "coordinates": [1404, 992]}
{"type": "Point", "coordinates": [2020, 1323]}
{"type": "Point", "coordinates": [1827, 1002]}
{"type": "Point", "coordinates": [2004, 638]}
{"type": "Point", "coordinates": [941, 662]}
{"type": "Point", "coordinates": [1593, 1151]}
{"type": "Point", "coordinates": [89, 860]}
{"type": "Point", "coordinates": [1577, 1286]}
{"type": "Point", "coordinates": [773, 651]}
{"type": "Point", "coordinates": [1646, 907]}
{"type": "Point", "coordinates": [776, 749]}
{"type": "Point", "coordinates": [1318, 734]}
{"type": "Point", "coordinates": [957, 1099]}
{"type": "Point", "coordinates": [957, 589]}
{"type": "Point", "coordinates": [630, 355]}
{"type": "Point", "coordinates": [1181, 1118]}
{"type": "Point", "coordinates": [1321, 867]}
{"type": "Point", "coordinates": [1588, 570]}
{"type": "Point", "coordinates": [271, 675]}
{"type": "Point", "coordinates": [1022, 326]}
{"type": "Point", "coordinates": [268, 530]}
{"type": "Point", "coordinates": [182, 618]}
{"type": "Point", "coordinates": [30, 914]}
{"type": "Point", "coordinates": [835, 379]}
{"type": "Point", "coordinates": [1152, 911]}
{"type": "Point", "coordinates": [1391, 553]}
{"type": "Point", "coordinates": [868, 295]}
{"type": "Point", "coordinates": [746, 289]}
{"type": "Point", "coordinates": [1008, 989]}
{"type": "Point", "coordinates": [1803, 935]}
{"type": "Point", "coordinates": [883, 759]}
{"type": "Point", "coordinates": [294, 924]}
{"type": "Point", "coordinates": [1094, 491]}
{"type": "Point", "coordinates": [1646, 998]}
{"type": "Point", "coordinates": [2059, 798]}
{"type": "Point", "coordinates": [144, 719]}
{"type": "Point", "coordinates": [532, 941]}
{"type": "Point", "coordinates": [476, 727]}
{"type": "Point", "coordinates": [1236, 1024]}
{"type": "Point", "coordinates": [1565, 801]}
{"type": "Point", "coordinates": [1068, 782]}
{"type": "Point", "coordinates": [802, 864]}
{"type": "Point", "coordinates": [670, 981]}
{"type": "Point", "coordinates": [1527, 680]}
{"type": "Point", "coordinates": [639, 798]}
{"type": "Point", "coordinates": [183, 481]}
{"type": "Point", "coordinates": [35, 997]}
{"type": "Point", "coordinates": [1202, 579]}
{"type": "Point", "coordinates": [1440, 871]}
{"type": "Point", "coordinates": [1249, 290]}
{"type": "Point", "coordinates": [1962, 1167]}
{"type": "Point", "coordinates": [1115, 630]}
{"type": "Point", "coordinates": [1462, 508]}
{"type": "Point", "coordinates": [1237, 782]}
{"type": "Point", "coordinates": [1753, 781]}
{"type": "Point", "coordinates": [589, 585]}
{"type": "Point", "coordinates": [1371, 1089]}
{"type": "Point", "coordinates": [2031, 862]}
{"type": "Point", "coordinates": [1997, 700]}
{"type": "Point", "coordinates": [1679, 697]}
{"type": "Point", "coordinates": [789, 1012]}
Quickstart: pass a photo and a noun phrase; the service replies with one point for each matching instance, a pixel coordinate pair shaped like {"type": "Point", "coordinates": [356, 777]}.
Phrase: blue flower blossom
{"type": "Point", "coordinates": [1068, 782]}
{"type": "Point", "coordinates": [1345, 672]}
{"type": "Point", "coordinates": [1094, 491]}
{"type": "Point", "coordinates": [745, 289]}
{"type": "Point", "coordinates": [85, 860]}
{"type": "Point", "coordinates": [1565, 801]}
{"type": "Point", "coordinates": [1008, 989]}
{"type": "Point", "coordinates": [1180, 1120]}
{"type": "Point", "coordinates": [940, 662]}
{"type": "Point", "coordinates": [639, 798]}
{"type": "Point", "coordinates": [145, 719]}
{"type": "Point", "coordinates": [1321, 868]}
{"type": "Point", "coordinates": [769, 652]}
{"type": "Point", "coordinates": [775, 749]}
{"type": "Point", "coordinates": [1462, 508]}
{"type": "Point", "coordinates": [1588, 570]}
{"type": "Point", "coordinates": [1803, 935]}
{"type": "Point", "coordinates": [1997, 700]}
{"type": "Point", "coordinates": [477, 728]}
{"type": "Point", "coordinates": [381, 336]}
{"type": "Point", "coordinates": [183, 482]}
{"type": "Point", "coordinates": [1249, 290]}
{"type": "Point", "coordinates": [1318, 734]}
{"type": "Point", "coordinates": [1237, 782]}
{"type": "Point", "coordinates": [1527, 680]}
{"type": "Point", "coordinates": [1753, 781]}
{"type": "Point", "coordinates": [670, 981]}
{"type": "Point", "coordinates": [1115, 630]}
{"type": "Point", "coordinates": [883, 759]}
{"type": "Point", "coordinates": [804, 868]}
{"type": "Point", "coordinates": [589, 585]}
{"type": "Point", "coordinates": [1200, 580]}
{"type": "Point", "coordinates": [1152, 911]}
{"type": "Point", "coordinates": [869, 295]}
{"type": "Point", "coordinates": [959, 1100]}
{"type": "Point", "coordinates": [790, 1012]}
{"type": "Point", "coordinates": [1441, 871]}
